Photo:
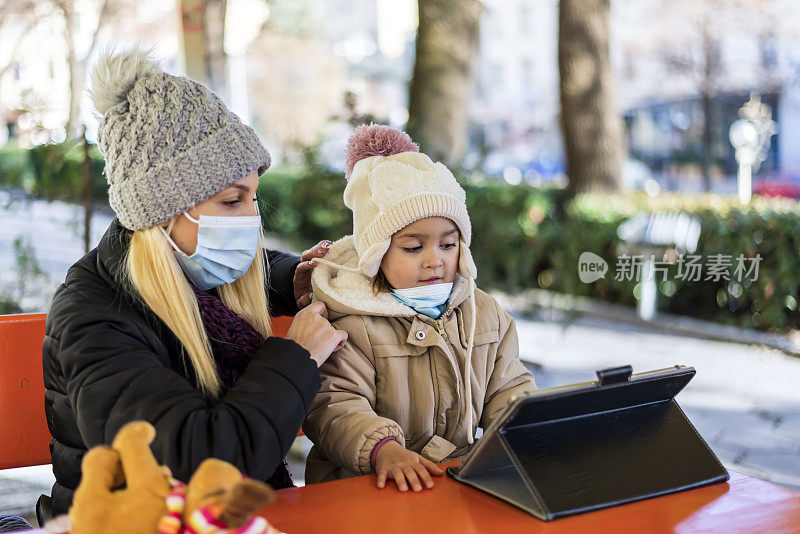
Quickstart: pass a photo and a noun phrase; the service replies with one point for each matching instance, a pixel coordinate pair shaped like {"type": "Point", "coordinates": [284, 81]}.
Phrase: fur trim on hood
{"type": "Point", "coordinates": [346, 292]}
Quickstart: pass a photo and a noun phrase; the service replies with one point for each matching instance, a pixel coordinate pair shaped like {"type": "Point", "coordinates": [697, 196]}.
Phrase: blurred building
{"type": "Point", "coordinates": [303, 70]}
{"type": "Point", "coordinates": [666, 54]}
{"type": "Point", "coordinates": [666, 134]}
{"type": "Point", "coordinates": [33, 102]}
{"type": "Point", "coordinates": [374, 38]}
{"type": "Point", "coordinates": [370, 44]}
{"type": "Point", "coordinates": [514, 108]}
{"type": "Point", "coordinates": [515, 103]}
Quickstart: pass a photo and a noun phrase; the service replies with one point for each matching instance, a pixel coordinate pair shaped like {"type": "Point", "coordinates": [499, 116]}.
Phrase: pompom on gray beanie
{"type": "Point", "coordinates": [168, 141]}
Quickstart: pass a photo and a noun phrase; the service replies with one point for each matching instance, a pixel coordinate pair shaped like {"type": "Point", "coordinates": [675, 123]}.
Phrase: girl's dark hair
{"type": "Point", "coordinates": [380, 284]}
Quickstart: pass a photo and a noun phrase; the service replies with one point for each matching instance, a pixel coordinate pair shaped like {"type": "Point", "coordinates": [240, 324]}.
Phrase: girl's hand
{"type": "Point", "coordinates": [311, 330]}
{"type": "Point", "coordinates": [395, 461]}
{"type": "Point", "coordinates": [302, 275]}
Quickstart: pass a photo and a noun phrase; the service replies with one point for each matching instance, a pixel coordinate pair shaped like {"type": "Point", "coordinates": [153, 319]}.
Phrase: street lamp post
{"type": "Point", "coordinates": [751, 136]}
{"type": "Point", "coordinates": [744, 138]}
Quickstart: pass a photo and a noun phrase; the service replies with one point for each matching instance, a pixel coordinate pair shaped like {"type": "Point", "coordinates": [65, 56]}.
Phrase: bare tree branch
{"type": "Point", "coordinates": [101, 19]}
{"type": "Point", "coordinates": [9, 11]}
{"type": "Point", "coordinates": [15, 7]}
{"type": "Point", "coordinates": [15, 49]}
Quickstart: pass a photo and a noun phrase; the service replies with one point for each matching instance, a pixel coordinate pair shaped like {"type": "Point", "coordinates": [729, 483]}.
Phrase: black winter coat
{"type": "Point", "coordinates": [109, 360]}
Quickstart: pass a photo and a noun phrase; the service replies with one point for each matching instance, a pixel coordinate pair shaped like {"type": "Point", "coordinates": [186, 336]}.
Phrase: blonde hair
{"type": "Point", "coordinates": [156, 276]}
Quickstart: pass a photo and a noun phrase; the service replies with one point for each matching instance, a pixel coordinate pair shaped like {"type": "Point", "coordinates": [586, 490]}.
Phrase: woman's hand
{"type": "Point", "coordinates": [395, 461]}
{"type": "Point", "coordinates": [302, 275]}
{"type": "Point", "coordinates": [311, 330]}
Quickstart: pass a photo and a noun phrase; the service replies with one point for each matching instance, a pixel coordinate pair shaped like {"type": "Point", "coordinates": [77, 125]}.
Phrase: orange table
{"type": "Point", "coordinates": [353, 506]}
{"type": "Point", "coordinates": [745, 504]}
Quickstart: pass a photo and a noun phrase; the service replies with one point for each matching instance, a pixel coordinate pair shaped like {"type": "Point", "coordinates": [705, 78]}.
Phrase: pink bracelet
{"type": "Point", "coordinates": [374, 453]}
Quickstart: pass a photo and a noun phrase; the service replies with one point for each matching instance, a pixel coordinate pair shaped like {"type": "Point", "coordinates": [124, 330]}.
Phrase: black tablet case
{"type": "Point", "coordinates": [573, 450]}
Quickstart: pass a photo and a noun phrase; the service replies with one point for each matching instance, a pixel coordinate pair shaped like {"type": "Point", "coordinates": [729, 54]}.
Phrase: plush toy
{"type": "Point", "coordinates": [217, 499]}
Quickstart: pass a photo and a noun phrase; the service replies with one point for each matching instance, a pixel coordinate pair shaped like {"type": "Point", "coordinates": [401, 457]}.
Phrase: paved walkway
{"type": "Point", "coordinates": [744, 400]}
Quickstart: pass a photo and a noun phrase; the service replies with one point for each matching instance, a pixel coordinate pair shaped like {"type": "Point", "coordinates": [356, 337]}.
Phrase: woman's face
{"type": "Point", "coordinates": [423, 253]}
{"type": "Point", "coordinates": [236, 200]}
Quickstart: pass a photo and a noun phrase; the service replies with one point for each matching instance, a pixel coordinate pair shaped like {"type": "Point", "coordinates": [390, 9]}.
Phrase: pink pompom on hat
{"type": "Point", "coordinates": [390, 185]}
{"type": "Point", "coordinates": [375, 140]}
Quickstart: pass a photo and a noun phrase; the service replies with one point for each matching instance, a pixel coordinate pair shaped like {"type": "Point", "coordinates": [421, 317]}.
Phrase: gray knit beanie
{"type": "Point", "coordinates": [168, 141]}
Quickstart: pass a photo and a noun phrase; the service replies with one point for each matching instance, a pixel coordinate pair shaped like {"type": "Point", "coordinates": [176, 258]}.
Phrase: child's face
{"type": "Point", "coordinates": [424, 252]}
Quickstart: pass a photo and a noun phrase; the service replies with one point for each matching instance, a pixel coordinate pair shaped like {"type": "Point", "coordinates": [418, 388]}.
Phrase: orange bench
{"type": "Point", "coordinates": [24, 436]}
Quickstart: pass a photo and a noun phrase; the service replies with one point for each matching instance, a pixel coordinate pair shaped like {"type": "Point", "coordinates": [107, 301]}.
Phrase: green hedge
{"type": "Point", "coordinates": [525, 237]}
{"type": "Point", "coordinates": [555, 240]}
{"type": "Point", "coordinates": [304, 206]}
{"type": "Point", "coordinates": [767, 227]}
{"type": "Point", "coordinates": [16, 171]}
{"type": "Point", "coordinates": [53, 172]}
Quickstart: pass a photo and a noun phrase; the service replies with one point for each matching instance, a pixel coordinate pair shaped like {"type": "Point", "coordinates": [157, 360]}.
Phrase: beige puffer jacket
{"type": "Point", "coordinates": [401, 373]}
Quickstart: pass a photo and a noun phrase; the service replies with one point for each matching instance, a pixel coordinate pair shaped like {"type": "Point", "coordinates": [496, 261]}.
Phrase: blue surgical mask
{"type": "Point", "coordinates": [430, 300]}
{"type": "Point", "coordinates": [226, 247]}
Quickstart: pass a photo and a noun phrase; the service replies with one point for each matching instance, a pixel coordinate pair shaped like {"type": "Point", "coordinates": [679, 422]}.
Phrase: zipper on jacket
{"type": "Point", "coordinates": [438, 324]}
{"type": "Point", "coordinates": [439, 327]}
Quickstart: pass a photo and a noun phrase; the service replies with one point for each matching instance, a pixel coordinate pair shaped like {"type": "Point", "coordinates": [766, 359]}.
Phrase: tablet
{"type": "Point", "coordinates": [572, 449]}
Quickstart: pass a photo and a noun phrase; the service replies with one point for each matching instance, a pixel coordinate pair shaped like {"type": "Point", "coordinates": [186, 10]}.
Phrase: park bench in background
{"type": "Point", "coordinates": [651, 236]}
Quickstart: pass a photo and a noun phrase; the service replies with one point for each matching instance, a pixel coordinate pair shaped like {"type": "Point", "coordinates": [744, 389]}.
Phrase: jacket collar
{"type": "Point", "coordinates": [111, 253]}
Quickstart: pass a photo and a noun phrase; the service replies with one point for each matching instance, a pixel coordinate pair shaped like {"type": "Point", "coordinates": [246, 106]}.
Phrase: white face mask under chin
{"type": "Point", "coordinates": [429, 300]}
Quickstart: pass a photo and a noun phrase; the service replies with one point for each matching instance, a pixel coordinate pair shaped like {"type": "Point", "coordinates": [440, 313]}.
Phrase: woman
{"type": "Point", "coordinates": [167, 320]}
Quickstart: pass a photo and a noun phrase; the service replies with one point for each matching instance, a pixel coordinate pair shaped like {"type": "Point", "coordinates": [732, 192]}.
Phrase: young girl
{"type": "Point", "coordinates": [429, 357]}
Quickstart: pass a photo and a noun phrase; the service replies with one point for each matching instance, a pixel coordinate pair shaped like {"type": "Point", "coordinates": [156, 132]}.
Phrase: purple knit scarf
{"type": "Point", "coordinates": [233, 341]}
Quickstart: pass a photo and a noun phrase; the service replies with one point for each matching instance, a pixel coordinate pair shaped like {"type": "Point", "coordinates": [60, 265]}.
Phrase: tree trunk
{"type": "Point", "coordinates": [88, 183]}
{"type": "Point", "coordinates": [203, 25]}
{"type": "Point", "coordinates": [592, 129]}
{"type": "Point", "coordinates": [75, 73]}
{"type": "Point", "coordinates": [193, 39]}
{"type": "Point", "coordinates": [77, 66]}
{"type": "Point", "coordinates": [712, 69]}
{"type": "Point", "coordinates": [216, 59]}
{"type": "Point", "coordinates": [707, 157]}
{"type": "Point", "coordinates": [447, 41]}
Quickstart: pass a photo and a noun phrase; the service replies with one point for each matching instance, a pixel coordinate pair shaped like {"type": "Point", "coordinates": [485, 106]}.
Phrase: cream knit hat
{"type": "Point", "coordinates": [391, 185]}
